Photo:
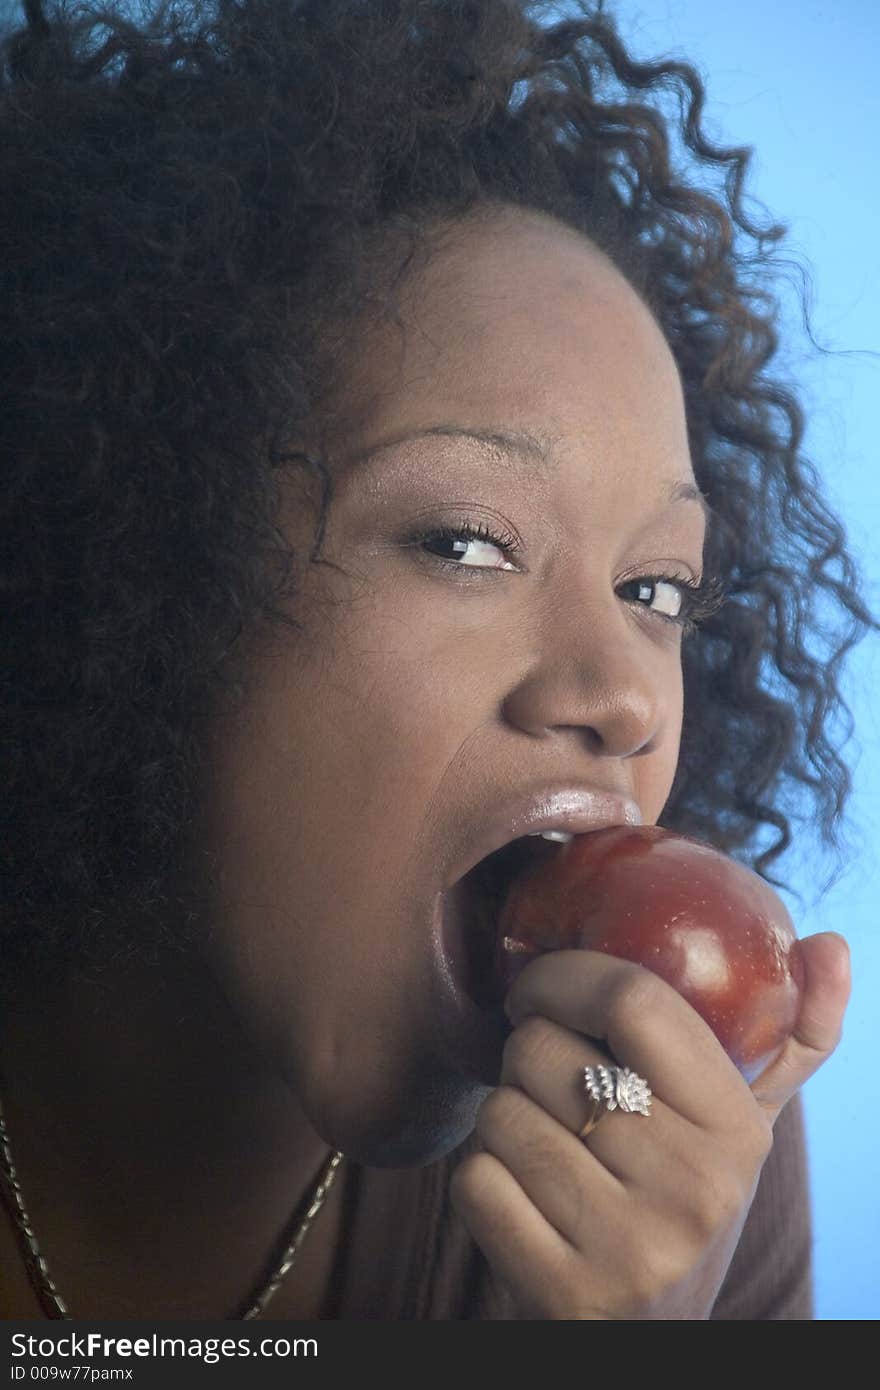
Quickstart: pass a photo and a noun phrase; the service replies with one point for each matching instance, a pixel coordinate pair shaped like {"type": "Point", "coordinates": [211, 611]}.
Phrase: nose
{"type": "Point", "coordinates": [600, 677]}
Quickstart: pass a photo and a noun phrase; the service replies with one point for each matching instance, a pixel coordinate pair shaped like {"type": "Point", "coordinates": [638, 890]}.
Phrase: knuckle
{"type": "Point", "coordinates": [573, 1292]}
{"type": "Point", "coordinates": [661, 1264]}
{"type": "Point", "coordinates": [500, 1113]}
{"type": "Point", "coordinates": [657, 1272]}
{"type": "Point", "coordinates": [716, 1204]}
{"type": "Point", "coordinates": [635, 1242]}
{"type": "Point", "coordinates": [650, 1261]}
{"type": "Point", "coordinates": [635, 995]}
{"type": "Point", "coordinates": [532, 1046]}
{"type": "Point", "coordinates": [474, 1176]}
{"type": "Point", "coordinates": [507, 1124]}
{"type": "Point", "coordinates": [558, 1294]}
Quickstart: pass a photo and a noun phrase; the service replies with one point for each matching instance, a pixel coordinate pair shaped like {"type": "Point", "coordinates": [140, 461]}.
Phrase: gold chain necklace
{"type": "Point", "coordinates": [50, 1299]}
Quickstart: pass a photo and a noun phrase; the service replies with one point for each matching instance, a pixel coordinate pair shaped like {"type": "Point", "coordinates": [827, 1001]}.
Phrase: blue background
{"type": "Point", "coordinates": [798, 81]}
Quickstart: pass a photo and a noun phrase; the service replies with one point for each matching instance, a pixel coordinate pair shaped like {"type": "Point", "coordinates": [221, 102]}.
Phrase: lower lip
{"type": "Point", "coordinates": [473, 1035]}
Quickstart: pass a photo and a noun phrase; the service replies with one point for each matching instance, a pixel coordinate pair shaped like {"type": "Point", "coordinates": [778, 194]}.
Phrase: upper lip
{"type": "Point", "coordinates": [575, 808]}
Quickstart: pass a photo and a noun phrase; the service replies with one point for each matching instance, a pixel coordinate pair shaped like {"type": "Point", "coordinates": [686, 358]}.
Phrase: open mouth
{"type": "Point", "coordinates": [471, 912]}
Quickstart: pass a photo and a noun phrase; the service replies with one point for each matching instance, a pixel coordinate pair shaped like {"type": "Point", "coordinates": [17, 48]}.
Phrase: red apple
{"type": "Point", "coordinates": [705, 923]}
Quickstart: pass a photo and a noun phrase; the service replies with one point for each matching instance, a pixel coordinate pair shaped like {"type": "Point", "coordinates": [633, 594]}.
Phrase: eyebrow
{"type": "Point", "coordinates": [520, 444]}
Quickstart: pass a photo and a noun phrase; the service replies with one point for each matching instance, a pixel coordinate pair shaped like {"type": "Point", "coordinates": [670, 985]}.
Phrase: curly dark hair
{"type": "Point", "coordinates": [200, 200]}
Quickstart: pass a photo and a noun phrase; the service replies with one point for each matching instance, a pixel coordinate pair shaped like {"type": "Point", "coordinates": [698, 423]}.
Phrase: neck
{"type": "Point", "coordinates": [160, 1156]}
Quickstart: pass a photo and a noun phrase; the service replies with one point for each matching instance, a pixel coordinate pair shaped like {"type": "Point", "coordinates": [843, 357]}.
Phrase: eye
{"type": "Point", "coordinates": [669, 592]}
{"type": "Point", "coordinates": [693, 601]}
{"type": "Point", "coordinates": [685, 603]}
{"type": "Point", "coordinates": [468, 546]}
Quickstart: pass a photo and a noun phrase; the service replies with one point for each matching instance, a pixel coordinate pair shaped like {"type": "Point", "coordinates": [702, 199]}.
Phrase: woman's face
{"type": "Point", "coordinates": [437, 681]}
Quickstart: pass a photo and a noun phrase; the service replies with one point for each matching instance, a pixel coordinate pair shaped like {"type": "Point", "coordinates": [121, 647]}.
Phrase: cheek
{"type": "Point", "coordinates": [317, 816]}
{"type": "Point", "coordinates": [655, 779]}
{"type": "Point", "coordinates": [401, 683]}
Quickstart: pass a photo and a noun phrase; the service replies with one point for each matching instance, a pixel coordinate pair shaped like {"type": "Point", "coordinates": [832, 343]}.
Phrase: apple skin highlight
{"type": "Point", "coordinates": [706, 924]}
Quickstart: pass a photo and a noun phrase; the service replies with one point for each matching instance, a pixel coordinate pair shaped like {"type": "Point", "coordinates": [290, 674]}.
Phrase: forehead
{"type": "Point", "coordinates": [515, 316]}
{"type": "Point", "coordinates": [536, 290]}
{"type": "Point", "coordinates": [516, 322]}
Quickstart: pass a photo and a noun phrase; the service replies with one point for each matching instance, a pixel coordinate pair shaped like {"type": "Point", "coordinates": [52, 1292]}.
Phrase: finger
{"type": "Point", "coordinates": [530, 1245]}
{"type": "Point", "coordinates": [646, 1025]}
{"type": "Point", "coordinates": [661, 1154]}
{"type": "Point", "coordinates": [827, 985]}
{"type": "Point", "coordinates": [542, 1075]}
{"type": "Point", "coordinates": [547, 1062]}
{"type": "Point", "coordinates": [571, 1188]}
{"type": "Point", "coordinates": [512, 1234]}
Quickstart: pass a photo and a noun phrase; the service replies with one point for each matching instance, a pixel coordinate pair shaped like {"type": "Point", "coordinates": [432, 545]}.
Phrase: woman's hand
{"type": "Point", "coordinates": [641, 1219]}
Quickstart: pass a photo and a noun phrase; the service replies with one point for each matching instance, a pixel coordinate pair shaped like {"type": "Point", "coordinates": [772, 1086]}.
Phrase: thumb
{"type": "Point", "coordinates": [827, 985]}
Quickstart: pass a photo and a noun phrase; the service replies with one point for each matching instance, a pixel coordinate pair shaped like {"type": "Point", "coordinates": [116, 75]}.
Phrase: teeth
{"type": "Point", "coordinates": [562, 836]}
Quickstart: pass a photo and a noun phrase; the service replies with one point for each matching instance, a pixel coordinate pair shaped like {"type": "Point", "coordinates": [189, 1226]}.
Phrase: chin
{"type": "Point", "coordinates": [435, 1118]}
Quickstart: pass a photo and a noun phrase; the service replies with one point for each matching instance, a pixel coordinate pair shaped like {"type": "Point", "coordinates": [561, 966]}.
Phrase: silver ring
{"type": "Point", "coordinates": [610, 1088]}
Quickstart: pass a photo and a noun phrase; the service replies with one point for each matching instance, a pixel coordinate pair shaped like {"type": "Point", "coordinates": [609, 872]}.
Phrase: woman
{"type": "Point", "coordinates": [387, 419]}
